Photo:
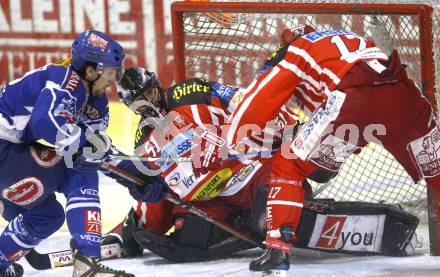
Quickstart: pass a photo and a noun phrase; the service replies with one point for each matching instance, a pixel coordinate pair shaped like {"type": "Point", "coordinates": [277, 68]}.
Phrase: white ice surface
{"type": "Point", "coordinates": [304, 263]}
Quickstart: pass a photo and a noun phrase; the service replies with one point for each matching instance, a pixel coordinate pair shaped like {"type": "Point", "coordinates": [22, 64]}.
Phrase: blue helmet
{"type": "Point", "coordinates": [97, 47]}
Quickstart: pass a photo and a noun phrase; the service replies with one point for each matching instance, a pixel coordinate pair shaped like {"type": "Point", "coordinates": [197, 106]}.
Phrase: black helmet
{"type": "Point", "coordinates": [134, 83]}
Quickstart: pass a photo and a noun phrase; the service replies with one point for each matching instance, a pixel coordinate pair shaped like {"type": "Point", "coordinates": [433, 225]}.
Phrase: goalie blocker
{"type": "Point", "coordinates": [326, 225]}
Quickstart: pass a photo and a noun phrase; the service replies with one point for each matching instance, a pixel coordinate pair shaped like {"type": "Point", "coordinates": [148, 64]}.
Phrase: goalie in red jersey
{"type": "Point", "coordinates": [354, 94]}
{"type": "Point", "coordinates": [241, 201]}
{"type": "Point", "coordinates": [185, 121]}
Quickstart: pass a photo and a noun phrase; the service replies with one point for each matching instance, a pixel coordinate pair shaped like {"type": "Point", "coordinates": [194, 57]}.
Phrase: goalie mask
{"type": "Point", "coordinates": [290, 35]}
{"type": "Point", "coordinates": [140, 90]}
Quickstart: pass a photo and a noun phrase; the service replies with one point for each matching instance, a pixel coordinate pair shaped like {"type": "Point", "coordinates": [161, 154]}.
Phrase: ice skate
{"type": "Point", "coordinates": [272, 262]}
{"type": "Point", "coordinates": [86, 266]}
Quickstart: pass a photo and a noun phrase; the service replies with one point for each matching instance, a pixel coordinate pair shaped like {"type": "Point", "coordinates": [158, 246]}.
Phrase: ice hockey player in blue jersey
{"type": "Point", "coordinates": [65, 105]}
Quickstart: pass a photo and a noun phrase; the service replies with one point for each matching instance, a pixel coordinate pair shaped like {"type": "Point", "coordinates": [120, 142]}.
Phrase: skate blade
{"type": "Point", "coordinates": [273, 273]}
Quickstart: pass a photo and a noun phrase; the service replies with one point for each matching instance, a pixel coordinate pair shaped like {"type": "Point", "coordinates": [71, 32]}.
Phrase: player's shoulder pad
{"type": "Point", "coordinates": [189, 92]}
{"type": "Point", "coordinates": [276, 56]}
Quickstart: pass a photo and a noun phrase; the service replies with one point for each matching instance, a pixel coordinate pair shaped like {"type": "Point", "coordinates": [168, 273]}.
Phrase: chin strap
{"type": "Point", "coordinates": [92, 83]}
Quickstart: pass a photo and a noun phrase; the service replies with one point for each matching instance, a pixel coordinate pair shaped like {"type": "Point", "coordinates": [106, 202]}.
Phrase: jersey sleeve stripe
{"type": "Point", "coordinates": [196, 116]}
{"type": "Point", "coordinates": [301, 74]}
{"type": "Point", "coordinates": [303, 54]}
{"type": "Point", "coordinates": [238, 113]}
{"type": "Point", "coordinates": [286, 203]}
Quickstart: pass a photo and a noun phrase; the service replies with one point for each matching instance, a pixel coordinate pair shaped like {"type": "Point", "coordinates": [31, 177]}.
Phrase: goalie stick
{"type": "Point", "coordinates": [187, 206]}
{"type": "Point", "coordinates": [186, 159]}
{"type": "Point", "coordinates": [63, 258]}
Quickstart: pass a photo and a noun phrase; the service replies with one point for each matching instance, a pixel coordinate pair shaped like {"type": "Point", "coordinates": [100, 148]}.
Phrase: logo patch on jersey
{"type": "Point", "coordinates": [184, 89]}
{"type": "Point", "coordinates": [318, 35]}
{"type": "Point", "coordinates": [237, 97]}
{"type": "Point", "coordinates": [179, 121]}
{"type": "Point", "coordinates": [66, 109]}
{"type": "Point", "coordinates": [223, 93]}
{"type": "Point", "coordinates": [173, 180]}
{"type": "Point", "coordinates": [240, 175]}
{"type": "Point", "coordinates": [15, 256]}
{"type": "Point", "coordinates": [24, 192]}
{"type": "Point", "coordinates": [177, 147]}
{"type": "Point", "coordinates": [332, 152]}
{"type": "Point", "coordinates": [93, 222]}
{"type": "Point", "coordinates": [97, 41]}
{"type": "Point", "coordinates": [311, 131]}
{"type": "Point", "coordinates": [213, 186]}
{"type": "Point", "coordinates": [425, 151]}
{"type": "Point", "coordinates": [45, 157]}
{"type": "Point", "coordinates": [92, 113]}
{"type": "Point", "coordinates": [73, 81]}
{"type": "Point", "coordinates": [348, 232]}
{"type": "Point", "coordinates": [213, 138]}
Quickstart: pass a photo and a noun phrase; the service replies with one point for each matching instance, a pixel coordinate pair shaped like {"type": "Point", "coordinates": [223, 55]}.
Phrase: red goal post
{"type": "Point", "coordinates": [229, 41]}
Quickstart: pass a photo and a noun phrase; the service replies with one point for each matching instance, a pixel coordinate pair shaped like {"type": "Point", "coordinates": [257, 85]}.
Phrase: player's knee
{"type": "Point", "coordinates": [45, 223]}
{"type": "Point", "coordinates": [58, 217]}
{"type": "Point", "coordinates": [321, 176]}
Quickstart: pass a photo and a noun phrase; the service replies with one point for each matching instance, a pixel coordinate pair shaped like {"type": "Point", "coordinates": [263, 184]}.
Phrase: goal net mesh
{"type": "Point", "coordinates": [229, 47]}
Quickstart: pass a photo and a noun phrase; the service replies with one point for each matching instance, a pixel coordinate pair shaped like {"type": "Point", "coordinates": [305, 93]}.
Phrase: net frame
{"type": "Point", "coordinates": [423, 14]}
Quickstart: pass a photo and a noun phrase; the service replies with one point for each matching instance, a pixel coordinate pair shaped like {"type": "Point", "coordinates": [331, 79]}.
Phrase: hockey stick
{"type": "Point", "coordinates": [185, 159]}
{"type": "Point", "coordinates": [187, 206]}
{"type": "Point", "coordinates": [64, 257]}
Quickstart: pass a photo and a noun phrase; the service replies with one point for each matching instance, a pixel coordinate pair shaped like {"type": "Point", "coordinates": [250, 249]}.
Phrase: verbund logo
{"type": "Point", "coordinates": [35, 33]}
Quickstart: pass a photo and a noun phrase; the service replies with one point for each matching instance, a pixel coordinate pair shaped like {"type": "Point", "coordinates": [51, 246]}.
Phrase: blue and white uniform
{"type": "Point", "coordinates": [51, 104]}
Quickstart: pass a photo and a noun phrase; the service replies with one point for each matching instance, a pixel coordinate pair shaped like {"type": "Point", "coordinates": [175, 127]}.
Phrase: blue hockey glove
{"type": "Point", "coordinates": [90, 157]}
{"type": "Point", "coordinates": [153, 191]}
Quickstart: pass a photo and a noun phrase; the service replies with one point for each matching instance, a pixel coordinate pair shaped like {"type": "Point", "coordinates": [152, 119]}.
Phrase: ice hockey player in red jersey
{"type": "Point", "coordinates": [196, 239]}
{"type": "Point", "coordinates": [187, 106]}
{"type": "Point", "coordinates": [355, 94]}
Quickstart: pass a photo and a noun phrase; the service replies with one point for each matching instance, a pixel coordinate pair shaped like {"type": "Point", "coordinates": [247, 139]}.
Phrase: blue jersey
{"type": "Point", "coordinates": [48, 101]}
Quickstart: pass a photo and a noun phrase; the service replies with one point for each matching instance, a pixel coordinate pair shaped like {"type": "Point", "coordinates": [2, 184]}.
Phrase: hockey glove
{"type": "Point", "coordinates": [90, 157]}
{"type": "Point", "coordinates": [154, 190]}
{"type": "Point", "coordinates": [210, 158]}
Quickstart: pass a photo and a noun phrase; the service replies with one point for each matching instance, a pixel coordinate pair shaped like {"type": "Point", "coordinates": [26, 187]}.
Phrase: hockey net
{"type": "Point", "coordinates": [228, 42]}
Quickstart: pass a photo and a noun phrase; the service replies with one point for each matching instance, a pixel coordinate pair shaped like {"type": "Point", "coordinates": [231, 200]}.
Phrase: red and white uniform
{"type": "Point", "coordinates": [196, 105]}
{"type": "Point", "coordinates": [356, 97]}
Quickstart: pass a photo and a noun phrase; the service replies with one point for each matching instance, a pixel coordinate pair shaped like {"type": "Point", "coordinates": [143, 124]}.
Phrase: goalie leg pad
{"type": "Point", "coordinates": [196, 240]}
{"type": "Point", "coordinates": [355, 228]}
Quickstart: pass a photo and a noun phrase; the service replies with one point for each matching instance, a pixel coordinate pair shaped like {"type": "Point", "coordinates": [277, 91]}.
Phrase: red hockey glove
{"type": "Point", "coordinates": [210, 158]}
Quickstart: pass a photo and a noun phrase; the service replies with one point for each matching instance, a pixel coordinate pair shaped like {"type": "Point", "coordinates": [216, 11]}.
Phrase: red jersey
{"type": "Point", "coordinates": [306, 71]}
{"type": "Point", "coordinates": [196, 105]}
